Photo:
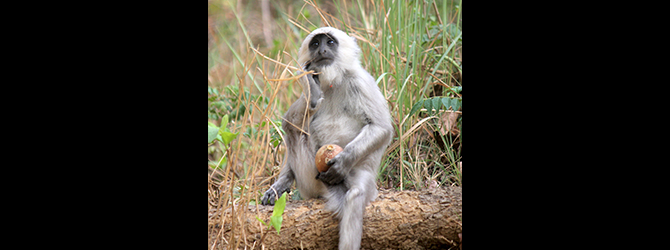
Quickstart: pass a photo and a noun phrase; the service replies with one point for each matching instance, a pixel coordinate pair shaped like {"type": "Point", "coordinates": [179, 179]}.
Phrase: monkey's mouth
{"type": "Point", "coordinates": [324, 60]}
{"type": "Point", "coordinates": [318, 62]}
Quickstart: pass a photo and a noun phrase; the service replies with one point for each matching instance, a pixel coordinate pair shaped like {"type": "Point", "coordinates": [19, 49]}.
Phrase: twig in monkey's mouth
{"type": "Point", "coordinates": [315, 74]}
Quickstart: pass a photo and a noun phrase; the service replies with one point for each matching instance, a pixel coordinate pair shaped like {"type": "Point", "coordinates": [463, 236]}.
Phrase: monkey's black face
{"type": "Point", "coordinates": [323, 49]}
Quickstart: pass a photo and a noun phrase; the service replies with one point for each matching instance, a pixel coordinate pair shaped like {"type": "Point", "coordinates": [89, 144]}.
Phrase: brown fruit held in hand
{"type": "Point", "coordinates": [325, 153]}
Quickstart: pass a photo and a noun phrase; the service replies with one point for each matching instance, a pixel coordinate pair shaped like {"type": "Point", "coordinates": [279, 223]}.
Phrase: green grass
{"type": "Point", "coordinates": [412, 48]}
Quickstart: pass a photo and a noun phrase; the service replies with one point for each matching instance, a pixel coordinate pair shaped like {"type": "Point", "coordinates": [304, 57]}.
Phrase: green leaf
{"type": "Point", "coordinates": [279, 205]}
{"type": "Point", "coordinates": [456, 104]}
{"type": "Point", "coordinates": [446, 101]}
{"type": "Point", "coordinates": [416, 107]}
{"type": "Point", "coordinates": [276, 222]}
{"type": "Point", "coordinates": [452, 30]}
{"type": "Point", "coordinates": [224, 121]}
{"type": "Point", "coordinates": [379, 79]}
{"type": "Point", "coordinates": [227, 137]}
{"type": "Point", "coordinates": [276, 218]}
{"type": "Point", "coordinates": [212, 91]}
{"type": "Point", "coordinates": [212, 132]}
{"type": "Point", "coordinates": [259, 219]}
{"type": "Point", "coordinates": [436, 104]}
{"type": "Point", "coordinates": [296, 195]}
{"type": "Point", "coordinates": [428, 105]}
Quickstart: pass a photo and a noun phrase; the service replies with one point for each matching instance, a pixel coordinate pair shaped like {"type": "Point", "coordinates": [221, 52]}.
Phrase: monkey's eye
{"type": "Point", "coordinates": [315, 44]}
{"type": "Point", "coordinates": [331, 42]}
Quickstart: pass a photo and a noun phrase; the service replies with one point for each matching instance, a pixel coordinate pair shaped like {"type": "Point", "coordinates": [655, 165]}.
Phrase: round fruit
{"type": "Point", "coordinates": [325, 153]}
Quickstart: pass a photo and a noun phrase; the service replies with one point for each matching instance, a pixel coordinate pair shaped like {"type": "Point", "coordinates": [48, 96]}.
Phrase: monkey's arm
{"type": "Point", "coordinates": [299, 114]}
{"type": "Point", "coordinates": [283, 184]}
{"type": "Point", "coordinates": [370, 139]}
{"type": "Point", "coordinates": [297, 120]}
{"type": "Point", "coordinates": [312, 90]}
{"type": "Point", "coordinates": [376, 133]}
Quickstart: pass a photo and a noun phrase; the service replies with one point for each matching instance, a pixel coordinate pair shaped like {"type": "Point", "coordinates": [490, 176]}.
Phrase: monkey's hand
{"type": "Point", "coordinates": [310, 85]}
{"type": "Point", "coordinates": [271, 195]}
{"type": "Point", "coordinates": [337, 171]}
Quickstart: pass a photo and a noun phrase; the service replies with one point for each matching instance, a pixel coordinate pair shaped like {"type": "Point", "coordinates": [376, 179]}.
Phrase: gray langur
{"type": "Point", "coordinates": [341, 105]}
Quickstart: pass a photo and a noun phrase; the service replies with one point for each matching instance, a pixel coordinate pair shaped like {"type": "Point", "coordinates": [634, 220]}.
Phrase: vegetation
{"type": "Point", "coordinates": [413, 48]}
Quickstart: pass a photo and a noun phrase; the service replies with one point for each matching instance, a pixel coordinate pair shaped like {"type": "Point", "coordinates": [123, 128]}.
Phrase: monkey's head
{"type": "Point", "coordinates": [327, 49]}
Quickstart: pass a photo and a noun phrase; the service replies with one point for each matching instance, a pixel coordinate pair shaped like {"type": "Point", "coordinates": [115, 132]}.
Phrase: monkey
{"type": "Point", "coordinates": [342, 105]}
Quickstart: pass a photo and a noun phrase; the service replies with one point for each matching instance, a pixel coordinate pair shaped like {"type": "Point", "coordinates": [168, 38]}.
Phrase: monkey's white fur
{"type": "Point", "coordinates": [347, 57]}
{"type": "Point", "coordinates": [346, 109]}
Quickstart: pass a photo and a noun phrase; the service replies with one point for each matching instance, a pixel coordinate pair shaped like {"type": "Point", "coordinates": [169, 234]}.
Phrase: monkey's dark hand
{"type": "Point", "coordinates": [310, 85]}
{"type": "Point", "coordinates": [270, 196]}
{"type": "Point", "coordinates": [337, 171]}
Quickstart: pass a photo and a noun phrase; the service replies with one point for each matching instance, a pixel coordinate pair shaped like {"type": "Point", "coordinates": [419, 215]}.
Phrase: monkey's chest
{"type": "Point", "coordinates": [334, 127]}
